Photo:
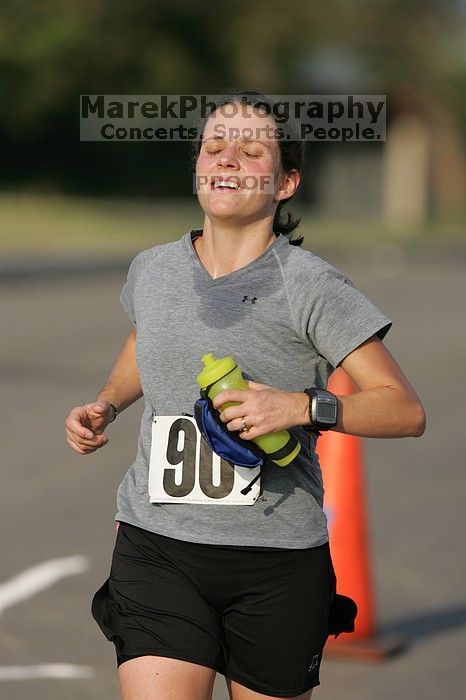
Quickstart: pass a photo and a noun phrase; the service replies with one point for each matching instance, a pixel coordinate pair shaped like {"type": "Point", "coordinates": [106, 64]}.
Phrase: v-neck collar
{"type": "Point", "coordinates": [194, 233]}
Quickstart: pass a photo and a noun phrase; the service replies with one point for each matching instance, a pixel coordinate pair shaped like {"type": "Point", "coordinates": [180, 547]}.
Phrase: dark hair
{"type": "Point", "coordinates": [290, 145]}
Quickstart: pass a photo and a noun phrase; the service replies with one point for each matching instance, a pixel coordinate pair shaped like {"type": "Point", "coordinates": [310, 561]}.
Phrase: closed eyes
{"type": "Point", "coordinates": [214, 152]}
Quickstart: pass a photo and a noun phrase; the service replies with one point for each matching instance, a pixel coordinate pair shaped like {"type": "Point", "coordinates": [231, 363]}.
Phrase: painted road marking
{"type": "Point", "coordinates": [26, 584]}
{"type": "Point", "coordinates": [38, 578]}
{"type": "Point", "coordinates": [21, 673]}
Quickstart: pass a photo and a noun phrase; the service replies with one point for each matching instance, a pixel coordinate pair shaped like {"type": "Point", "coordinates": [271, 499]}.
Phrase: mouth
{"type": "Point", "coordinates": [225, 184]}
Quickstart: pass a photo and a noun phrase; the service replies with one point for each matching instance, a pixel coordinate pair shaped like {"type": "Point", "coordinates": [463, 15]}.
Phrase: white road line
{"type": "Point", "coordinates": [21, 673]}
{"type": "Point", "coordinates": [39, 577]}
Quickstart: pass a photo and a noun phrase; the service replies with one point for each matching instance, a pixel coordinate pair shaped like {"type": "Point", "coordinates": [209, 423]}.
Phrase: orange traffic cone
{"type": "Point", "coordinates": [341, 460]}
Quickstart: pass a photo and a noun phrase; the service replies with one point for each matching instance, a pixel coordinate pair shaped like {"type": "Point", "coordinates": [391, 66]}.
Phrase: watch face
{"type": "Point", "coordinates": [326, 411]}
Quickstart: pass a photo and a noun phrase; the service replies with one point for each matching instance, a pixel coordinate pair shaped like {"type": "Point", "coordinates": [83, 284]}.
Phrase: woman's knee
{"type": "Point", "coordinates": [161, 678]}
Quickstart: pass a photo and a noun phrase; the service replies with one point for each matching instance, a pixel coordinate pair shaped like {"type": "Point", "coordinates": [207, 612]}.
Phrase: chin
{"type": "Point", "coordinates": [223, 210]}
{"type": "Point", "coordinates": [231, 217]}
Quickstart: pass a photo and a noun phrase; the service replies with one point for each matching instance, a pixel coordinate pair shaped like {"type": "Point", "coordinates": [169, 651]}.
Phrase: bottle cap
{"type": "Point", "coordinates": [214, 369]}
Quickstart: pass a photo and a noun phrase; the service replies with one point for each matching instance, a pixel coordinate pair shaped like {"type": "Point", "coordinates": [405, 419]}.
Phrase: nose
{"type": "Point", "coordinates": [228, 157]}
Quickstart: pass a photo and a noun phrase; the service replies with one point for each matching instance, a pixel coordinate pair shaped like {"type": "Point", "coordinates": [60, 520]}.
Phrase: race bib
{"type": "Point", "coordinates": [184, 469]}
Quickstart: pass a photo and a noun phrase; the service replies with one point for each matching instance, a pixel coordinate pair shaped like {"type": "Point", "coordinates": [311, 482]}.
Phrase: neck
{"type": "Point", "coordinates": [224, 248]}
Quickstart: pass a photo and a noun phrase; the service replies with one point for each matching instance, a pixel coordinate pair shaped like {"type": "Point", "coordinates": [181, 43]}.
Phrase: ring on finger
{"type": "Point", "coordinates": [244, 426]}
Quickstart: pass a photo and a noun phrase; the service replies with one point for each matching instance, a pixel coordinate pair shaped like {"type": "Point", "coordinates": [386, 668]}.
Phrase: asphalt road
{"type": "Point", "coordinates": [59, 339]}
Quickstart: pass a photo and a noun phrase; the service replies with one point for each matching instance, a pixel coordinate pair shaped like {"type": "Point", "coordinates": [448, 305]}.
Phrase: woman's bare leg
{"type": "Point", "coordinates": [160, 678]}
{"type": "Point", "coordinates": [240, 692]}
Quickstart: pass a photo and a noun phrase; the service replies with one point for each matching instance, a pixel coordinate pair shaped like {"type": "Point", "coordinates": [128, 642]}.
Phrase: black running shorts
{"type": "Point", "coordinates": [256, 616]}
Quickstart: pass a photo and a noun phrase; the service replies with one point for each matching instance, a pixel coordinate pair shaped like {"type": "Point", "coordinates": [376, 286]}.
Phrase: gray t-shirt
{"type": "Point", "coordinates": [288, 318]}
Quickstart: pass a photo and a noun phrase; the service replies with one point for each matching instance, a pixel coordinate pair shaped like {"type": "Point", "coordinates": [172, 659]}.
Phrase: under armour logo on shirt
{"type": "Point", "coordinates": [252, 301]}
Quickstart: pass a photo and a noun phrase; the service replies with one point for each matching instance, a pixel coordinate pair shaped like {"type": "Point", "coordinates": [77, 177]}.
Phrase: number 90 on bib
{"type": "Point", "coordinates": [184, 469]}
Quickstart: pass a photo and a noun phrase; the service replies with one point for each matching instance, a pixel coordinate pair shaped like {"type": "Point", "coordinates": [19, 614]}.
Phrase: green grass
{"type": "Point", "coordinates": [33, 225]}
{"type": "Point", "coordinates": [47, 225]}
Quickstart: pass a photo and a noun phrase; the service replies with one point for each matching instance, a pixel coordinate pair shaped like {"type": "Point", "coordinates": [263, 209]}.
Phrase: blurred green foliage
{"type": "Point", "coordinates": [51, 51]}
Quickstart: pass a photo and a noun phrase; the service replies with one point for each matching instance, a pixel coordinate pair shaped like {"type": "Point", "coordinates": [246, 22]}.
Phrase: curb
{"type": "Point", "coordinates": [34, 268]}
{"type": "Point", "coordinates": [37, 269]}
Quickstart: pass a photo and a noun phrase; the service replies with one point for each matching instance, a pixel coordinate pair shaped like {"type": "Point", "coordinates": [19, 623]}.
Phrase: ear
{"type": "Point", "coordinates": [289, 185]}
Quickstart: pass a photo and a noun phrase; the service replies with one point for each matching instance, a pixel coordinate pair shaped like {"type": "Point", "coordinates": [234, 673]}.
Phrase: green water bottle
{"type": "Point", "coordinates": [223, 373]}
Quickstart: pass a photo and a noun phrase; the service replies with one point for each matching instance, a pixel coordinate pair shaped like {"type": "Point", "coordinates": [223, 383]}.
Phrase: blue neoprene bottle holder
{"type": "Point", "coordinates": [223, 442]}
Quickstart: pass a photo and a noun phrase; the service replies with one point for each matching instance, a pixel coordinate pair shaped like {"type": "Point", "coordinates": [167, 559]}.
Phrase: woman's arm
{"type": "Point", "coordinates": [386, 404]}
{"type": "Point", "coordinates": [123, 387]}
{"type": "Point", "coordinates": [85, 425]}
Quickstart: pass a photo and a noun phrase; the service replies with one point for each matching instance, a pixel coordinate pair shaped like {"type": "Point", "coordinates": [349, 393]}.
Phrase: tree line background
{"type": "Point", "coordinates": [51, 51]}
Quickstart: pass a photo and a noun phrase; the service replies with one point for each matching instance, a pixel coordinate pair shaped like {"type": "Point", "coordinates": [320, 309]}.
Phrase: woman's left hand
{"type": "Point", "coordinates": [264, 409]}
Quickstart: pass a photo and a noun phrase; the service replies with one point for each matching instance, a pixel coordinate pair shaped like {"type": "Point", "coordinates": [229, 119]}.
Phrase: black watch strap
{"type": "Point", "coordinates": [323, 409]}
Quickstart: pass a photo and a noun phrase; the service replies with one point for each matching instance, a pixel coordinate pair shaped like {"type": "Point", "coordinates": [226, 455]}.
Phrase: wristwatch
{"type": "Point", "coordinates": [323, 408]}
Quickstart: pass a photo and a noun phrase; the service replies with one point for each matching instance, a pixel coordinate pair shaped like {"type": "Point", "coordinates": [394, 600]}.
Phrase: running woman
{"type": "Point", "coordinates": [205, 578]}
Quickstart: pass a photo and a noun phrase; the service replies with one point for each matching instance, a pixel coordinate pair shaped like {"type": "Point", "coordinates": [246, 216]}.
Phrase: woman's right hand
{"type": "Point", "coordinates": [85, 426]}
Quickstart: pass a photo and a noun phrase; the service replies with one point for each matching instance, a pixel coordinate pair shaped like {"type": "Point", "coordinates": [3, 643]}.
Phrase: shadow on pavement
{"type": "Point", "coordinates": [427, 624]}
